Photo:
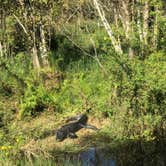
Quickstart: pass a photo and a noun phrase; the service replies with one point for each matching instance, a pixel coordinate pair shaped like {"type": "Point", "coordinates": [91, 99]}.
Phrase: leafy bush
{"type": "Point", "coordinates": [14, 73]}
{"type": "Point", "coordinates": [35, 100]}
{"type": "Point", "coordinates": [138, 85]}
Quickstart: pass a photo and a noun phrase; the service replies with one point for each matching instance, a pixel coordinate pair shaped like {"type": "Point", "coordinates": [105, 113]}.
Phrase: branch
{"type": "Point", "coordinates": [96, 56]}
{"type": "Point", "coordinates": [23, 27]}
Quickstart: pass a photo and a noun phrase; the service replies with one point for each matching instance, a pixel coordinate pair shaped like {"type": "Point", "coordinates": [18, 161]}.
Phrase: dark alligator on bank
{"type": "Point", "coordinates": [69, 130]}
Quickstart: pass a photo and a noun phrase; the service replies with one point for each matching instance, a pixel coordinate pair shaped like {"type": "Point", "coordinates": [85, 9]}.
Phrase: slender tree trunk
{"type": "Point", "coordinates": [43, 47]}
{"type": "Point", "coordinates": [29, 32]}
{"type": "Point", "coordinates": [101, 13]}
{"type": "Point", "coordinates": [24, 12]}
{"type": "Point", "coordinates": [155, 29]}
{"type": "Point", "coordinates": [3, 36]}
{"type": "Point", "coordinates": [116, 21]}
{"type": "Point", "coordinates": [125, 17]}
{"type": "Point", "coordinates": [145, 22]}
{"type": "Point", "coordinates": [35, 58]}
{"type": "Point", "coordinates": [1, 51]}
{"type": "Point", "coordinates": [139, 27]}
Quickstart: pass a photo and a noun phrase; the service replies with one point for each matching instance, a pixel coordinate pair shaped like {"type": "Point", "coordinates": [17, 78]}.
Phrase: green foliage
{"type": "Point", "coordinates": [14, 73]}
{"type": "Point", "coordinates": [155, 78]}
{"type": "Point", "coordinates": [76, 44]}
{"type": "Point", "coordinates": [36, 99]}
{"type": "Point", "coordinates": [129, 92]}
{"type": "Point", "coordinates": [162, 34]}
{"type": "Point", "coordinates": [138, 85]}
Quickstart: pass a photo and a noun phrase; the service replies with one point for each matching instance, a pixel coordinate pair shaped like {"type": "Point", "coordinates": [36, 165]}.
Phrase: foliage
{"type": "Point", "coordinates": [83, 73]}
{"type": "Point", "coordinates": [36, 99]}
{"type": "Point", "coordinates": [13, 73]}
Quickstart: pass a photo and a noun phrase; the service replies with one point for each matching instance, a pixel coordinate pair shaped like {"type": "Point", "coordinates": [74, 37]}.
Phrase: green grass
{"type": "Point", "coordinates": [126, 106]}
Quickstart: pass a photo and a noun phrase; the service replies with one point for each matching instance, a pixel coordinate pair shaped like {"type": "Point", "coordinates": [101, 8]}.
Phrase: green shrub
{"type": "Point", "coordinates": [35, 100]}
{"type": "Point", "coordinates": [14, 73]}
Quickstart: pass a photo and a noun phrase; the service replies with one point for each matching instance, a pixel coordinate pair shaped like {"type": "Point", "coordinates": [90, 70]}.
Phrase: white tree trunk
{"type": "Point", "coordinates": [35, 59]}
{"type": "Point", "coordinates": [145, 22]}
{"type": "Point", "coordinates": [116, 21]}
{"type": "Point", "coordinates": [30, 34]}
{"type": "Point", "coordinates": [101, 13]}
{"type": "Point", "coordinates": [139, 24]}
{"type": "Point", "coordinates": [127, 24]}
{"type": "Point", "coordinates": [43, 47]}
{"type": "Point", "coordinates": [126, 19]}
{"type": "Point", "coordinates": [155, 30]}
{"type": "Point", "coordinates": [1, 51]}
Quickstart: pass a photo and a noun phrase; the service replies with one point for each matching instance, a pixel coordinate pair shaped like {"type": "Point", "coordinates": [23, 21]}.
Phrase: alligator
{"type": "Point", "coordinates": [69, 130]}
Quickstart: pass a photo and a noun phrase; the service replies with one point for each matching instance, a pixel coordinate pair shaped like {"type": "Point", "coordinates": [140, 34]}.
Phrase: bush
{"type": "Point", "coordinates": [138, 85]}
{"type": "Point", "coordinates": [14, 72]}
{"type": "Point", "coordinates": [35, 100]}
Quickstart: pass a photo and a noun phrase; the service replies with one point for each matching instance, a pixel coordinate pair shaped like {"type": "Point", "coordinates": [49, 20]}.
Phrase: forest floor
{"type": "Point", "coordinates": [43, 141]}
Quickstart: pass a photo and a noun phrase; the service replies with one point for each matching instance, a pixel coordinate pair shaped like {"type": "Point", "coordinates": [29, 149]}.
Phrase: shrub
{"type": "Point", "coordinates": [35, 100]}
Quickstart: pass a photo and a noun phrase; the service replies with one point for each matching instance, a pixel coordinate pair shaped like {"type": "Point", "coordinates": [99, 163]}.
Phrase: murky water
{"type": "Point", "coordinates": [127, 154]}
{"type": "Point", "coordinates": [96, 156]}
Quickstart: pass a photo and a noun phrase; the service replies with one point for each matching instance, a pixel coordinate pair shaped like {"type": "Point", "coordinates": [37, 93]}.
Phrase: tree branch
{"type": "Point", "coordinates": [23, 27]}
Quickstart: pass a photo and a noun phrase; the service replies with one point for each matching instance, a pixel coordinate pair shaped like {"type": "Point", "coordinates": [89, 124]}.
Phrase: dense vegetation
{"type": "Point", "coordinates": [61, 58]}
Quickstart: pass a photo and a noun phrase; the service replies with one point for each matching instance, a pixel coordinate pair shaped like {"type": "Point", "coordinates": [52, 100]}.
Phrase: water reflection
{"type": "Point", "coordinates": [96, 157]}
{"type": "Point", "coordinates": [134, 153]}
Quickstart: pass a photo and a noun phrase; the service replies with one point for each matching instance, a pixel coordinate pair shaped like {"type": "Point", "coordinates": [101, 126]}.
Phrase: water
{"type": "Point", "coordinates": [152, 153]}
{"type": "Point", "coordinates": [129, 153]}
{"type": "Point", "coordinates": [96, 157]}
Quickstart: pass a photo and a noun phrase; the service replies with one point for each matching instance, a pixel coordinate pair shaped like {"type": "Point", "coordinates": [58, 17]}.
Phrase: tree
{"type": "Point", "coordinates": [101, 13]}
{"type": "Point", "coordinates": [139, 20]}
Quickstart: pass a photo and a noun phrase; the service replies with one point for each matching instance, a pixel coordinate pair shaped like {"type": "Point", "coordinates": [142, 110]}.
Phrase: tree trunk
{"type": "Point", "coordinates": [1, 51]}
{"type": "Point", "coordinates": [101, 13]}
{"type": "Point", "coordinates": [43, 47]}
{"type": "Point", "coordinates": [139, 27]}
{"type": "Point", "coordinates": [145, 22]}
{"type": "Point", "coordinates": [155, 29]}
{"type": "Point", "coordinates": [116, 21]}
{"type": "Point", "coordinates": [35, 59]}
{"type": "Point", "coordinates": [3, 36]}
{"type": "Point", "coordinates": [29, 32]}
{"type": "Point", "coordinates": [125, 17]}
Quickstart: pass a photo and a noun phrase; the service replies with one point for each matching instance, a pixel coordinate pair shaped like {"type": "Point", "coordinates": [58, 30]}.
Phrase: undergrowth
{"type": "Point", "coordinates": [129, 93]}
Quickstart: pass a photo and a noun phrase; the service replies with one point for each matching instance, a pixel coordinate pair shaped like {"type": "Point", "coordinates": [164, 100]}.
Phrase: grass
{"type": "Point", "coordinates": [80, 89]}
{"type": "Point", "coordinates": [33, 140]}
{"type": "Point", "coordinates": [37, 140]}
